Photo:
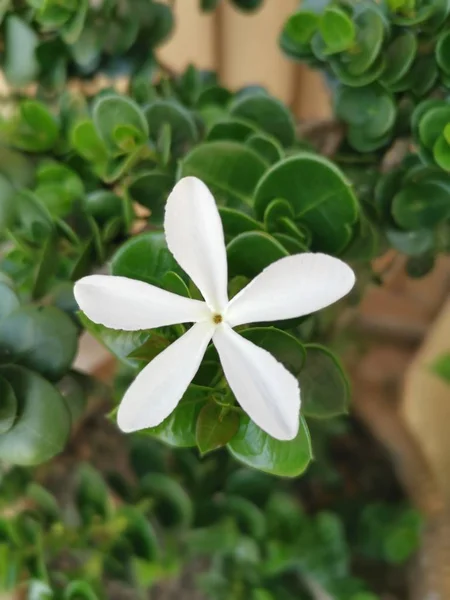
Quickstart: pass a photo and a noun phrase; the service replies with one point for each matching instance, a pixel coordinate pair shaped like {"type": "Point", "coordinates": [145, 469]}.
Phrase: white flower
{"type": "Point", "coordinates": [290, 287]}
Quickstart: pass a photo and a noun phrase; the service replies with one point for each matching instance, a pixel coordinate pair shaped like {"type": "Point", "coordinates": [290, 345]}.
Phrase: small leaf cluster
{"type": "Point", "coordinates": [41, 397]}
{"type": "Point", "coordinates": [388, 67]}
{"type": "Point", "coordinates": [136, 531]}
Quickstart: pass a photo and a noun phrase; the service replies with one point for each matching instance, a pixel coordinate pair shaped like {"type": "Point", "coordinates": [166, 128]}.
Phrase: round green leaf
{"type": "Point", "coordinates": [369, 107]}
{"type": "Point", "coordinates": [178, 429]}
{"type": "Point", "coordinates": [235, 222]}
{"type": "Point", "coordinates": [79, 590]}
{"type": "Point", "coordinates": [20, 63]}
{"type": "Point", "coordinates": [255, 448]}
{"type": "Point", "coordinates": [87, 143]}
{"type": "Point", "coordinates": [301, 26]}
{"type": "Point", "coordinates": [412, 243]}
{"type": "Point", "coordinates": [340, 69]}
{"type": "Point", "coordinates": [432, 124]}
{"type": "Point", "coordinates": [140, 533]}
{"type": "Point", "coordinates": [443, 51]}
{"type": "Point", "coordinates": [236, 130]}
{"type": "Point", "coordinates": [151, 188]}
{"type": "Point", "coordinates": [37, 129]}
{"type": "Point", "coordinates": [102, 205]}
{"type": "Point", "coordinates": [43, 423]}
{"type": "Point", "coordinates": [181, 122]}
{"type": "Point", "coordinates": [7, 208]}
{"type": "Point", "coordinates": [172, 505]}
{"type": "Point", "coordinates": [400, 56]}
{"type": "Point", "coordinates": [369, 39]}
{"type": "Point", "coordinates": [321, 197]}
{"type": "Point", "coordinates": [115, 111]}
{"type": "Point", "coordinates": [268, 113]}
{"type": "Point", "coordinates": [441, 152]}
{"type": "Point", "coordinates": [323, 384]}
{"type": "Point", "coordinates": [337, 30]}
{"type": "Point", "coordinates": [266, 146]}
{"type": "Point", "coordinates": [8, 300]}
{"type": "Point", "coordinates": [282, 345]}
{"type": "Point", "coordinates": [230, 169]}
{"type": "Point", "coordinates": [251, 252]}
{"type": "Point", "coordinates": [215, 427]}
{"type": "Point", "coordinates": [145, 257]}
{"type": "Point", "coordinates": [41, 338]}
{"type": "Point", "coordinates": [8, 406]}
{"type": "Point", "coordinates": [422, 204]}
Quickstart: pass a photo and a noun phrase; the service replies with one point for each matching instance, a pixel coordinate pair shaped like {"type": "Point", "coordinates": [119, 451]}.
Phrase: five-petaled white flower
{"type": "Point", "coordinates": [290, 287]}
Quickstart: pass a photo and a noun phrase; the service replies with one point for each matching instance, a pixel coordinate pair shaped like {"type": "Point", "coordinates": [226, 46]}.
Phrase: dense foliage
{"type": "Point", "coordinates": [85, 171]}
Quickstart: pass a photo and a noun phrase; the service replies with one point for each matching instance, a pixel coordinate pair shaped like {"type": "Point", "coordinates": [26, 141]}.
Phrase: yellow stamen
{"type": "Point", "coordinates": [217, 319]}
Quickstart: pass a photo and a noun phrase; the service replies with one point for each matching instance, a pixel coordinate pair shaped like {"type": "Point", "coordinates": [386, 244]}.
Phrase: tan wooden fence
{"type": "Point", "coordinates": [243, 49]}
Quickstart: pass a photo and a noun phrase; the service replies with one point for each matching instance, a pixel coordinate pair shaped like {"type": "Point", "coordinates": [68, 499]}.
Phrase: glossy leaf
{"type": "Point", "coordinates": [144, 257]}
{"type": "Point", "coordinates": [337, 29]}
{"type": "Point", "coordinates": [9, 301]}
{"type": "Point", "coordinates": [249, 253]}
{"type": "Point", "coordinates": [215, 427]}
{"type": "Point", "coordinates": [43, 423]}
{"type": "Point", "coordinates": [112, 112]}
{"type": "Point", "coordinates": [268, 113]}
{"type": "Point", "coordinates": [21, 66]}
{"type": "Point", "coordinates": [257, 449]}
{"type": "Point", "coordinates": [8, 406]}
{"type": "Point", "coordinates": [40, 338]}
{"type": "Point", "coordinates": [230, 169]}
{"type": "Point", "coordinates": [151, 188]}
{"type": "Point", "coordinates": [321, 198]}
{"type": "Point", "coordinates": [323, 384]}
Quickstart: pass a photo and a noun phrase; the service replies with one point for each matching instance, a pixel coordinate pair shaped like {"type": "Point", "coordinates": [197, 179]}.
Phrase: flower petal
{"type": "Point", "coordinates": [264, 388]}
{"type": "Point", "coordinates": [123, 303]}
{"type": "Point", "coordinates": [195, 237]}
{"type": "Point", "coordinates": [159, 387]}
{"type": "Point", "coordinates": [291, 287]}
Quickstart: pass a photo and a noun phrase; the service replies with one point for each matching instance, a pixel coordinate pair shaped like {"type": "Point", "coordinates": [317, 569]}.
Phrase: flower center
{"type": "Point", "coordinates": [217, 319]}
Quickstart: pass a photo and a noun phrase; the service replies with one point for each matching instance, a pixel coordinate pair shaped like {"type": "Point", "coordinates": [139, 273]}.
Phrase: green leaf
{"type": "Point", "coordinates": [8, 406]}
{"type": "Point", "coordinates": [173, 283]}
{"type": "Point", "coordinates": [250, 518]}
{"type": "Point", "coordinates": [111, 112]}
{"type": "Point", "coordinates": [172, 505]}
{"type": "Point", "coordinates": [47, 263]}
{"type": "Point", "coordinates": [400, 56]}
{"type": "Point", "coordinates": [421, 204]}
{"type": "Point", "coordinates": [419, 266]}
{"type": "Point", "coordinates": [39, 338]}
{"type": "Point", "coordinates": [247, 5]}
{"type": "Point", "coordinates": [441, 367]}
{"type": "Point", "coordinates": [87, 142]}
{"type": "Point", "coordinates": [120, 343]}
{"type": "Point", "coordinates": [369, 40]}
{"type": "Point", "coordinates": [74, 388]}
{"type": "Point", "coordinates": [178, 429]}
{"type": "Point", "coordinates": [34, 217]}
{"type": "Point", "coordinates": [337, 30]}
{"type": "Point", "coordinates": [412, 243]}
{"type": "Point", "coordinates": [324, 386]}
{"type": "Point", "coordinates": [301, 26]}
{"type": "Point", "coordinates": [9, 301]}
{"type": "Point", "coordinates": [432, 124]}
{"type": "Point", "coordinates": [230, 169]}
{"type": "Point", "coordinates": [251, 252]}
{"type": "Point", "coordinates": [255, 448]}
{"type": "Point", "coordinates": [37, 129]}
{"type": "Point", "coordinates": [144, 257]}
{"type": "Point", "coordinates": [282, 345]}
{"type": "Point", "coordinates": [72, 29]}
{"type": "Point", "coordinates": [441, 152]}
{"type": "Point", "coordinates": [235, 222]}
{"type": "Point", "coordinates": [79, 590]}
{"type": "Point", "coordinates": [321, 197]}
{"type": "Point", "coordinates": [91, 493]}
{"type": "Point", "coordinates": [140, 533]}
{"type": "Point", "coordinates": [268, 113]}
{"type": "Point", "coordinates": [370, 107]}
{"type": "Point", "coordinates": [20, 65]}
{"type": "Point", "coordinates": [443, 51]}
{"type": "Point", "coordinates": [266, 146]}
{"type": "Point", "coordinates": [45, 501]}
{"type": "Point", "coordinates": [215, 427]}
{"type": "Point", "coordinates": [151, 188]}
{"type": "Point", "coordinates": [103, 205]}
{"type": "Point", "coordinates": [7, 208]}
{"type": "Point", "coordinates": [237, 130]}
{"type": "Point", "coordinates": [182, 124]}
{"type": "Point", "coordinates": [43, 423]}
